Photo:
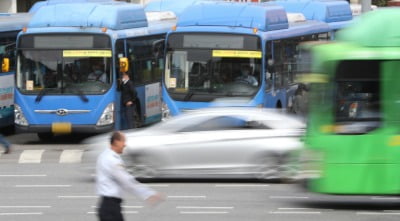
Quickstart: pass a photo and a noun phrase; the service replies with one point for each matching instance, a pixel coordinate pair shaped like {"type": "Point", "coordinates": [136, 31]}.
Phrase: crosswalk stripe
{"type": "Point", "coordinates": [71, 156]}
{"type": "Point", "coordinates": [31, 156]}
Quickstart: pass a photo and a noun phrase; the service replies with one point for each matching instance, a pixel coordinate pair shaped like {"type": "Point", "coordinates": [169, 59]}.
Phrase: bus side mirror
{"type": "Point", "coordinates": [123, 65]}
{"type": "Point", "coordinates": [5, 65]}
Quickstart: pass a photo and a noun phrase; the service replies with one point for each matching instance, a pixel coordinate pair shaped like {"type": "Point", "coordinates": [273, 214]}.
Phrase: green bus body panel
{"type": "Point", "coordinates": [358, 163]}
{"type": "Point", "coordinates": [358, 179]}
{"type": "Point", "coordinates": [375, 29]}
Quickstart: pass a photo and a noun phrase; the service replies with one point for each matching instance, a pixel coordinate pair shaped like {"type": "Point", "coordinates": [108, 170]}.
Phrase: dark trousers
{"type": "Point", "coordinates": [4, 142]}
{"type": "Point", "coordinates": [110, 209]}
{"type": "Point", "coordinates": [129, 114]}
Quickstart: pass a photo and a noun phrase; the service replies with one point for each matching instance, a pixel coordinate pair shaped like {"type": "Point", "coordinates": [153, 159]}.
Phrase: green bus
{"type": "Point", "coordinates": [353, 135]}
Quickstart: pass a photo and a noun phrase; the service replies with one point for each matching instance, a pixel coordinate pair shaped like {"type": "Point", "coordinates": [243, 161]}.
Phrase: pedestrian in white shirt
{"type": "Point", "coordinates": [112, 180]}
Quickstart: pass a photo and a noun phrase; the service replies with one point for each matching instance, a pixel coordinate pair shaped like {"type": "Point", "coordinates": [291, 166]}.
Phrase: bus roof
{"type": "Point", "coordinates": [378, 28]}
{"type": "Point", "coordinates": [321, 10]}
{"type": "Point", "coordinates": [104, 13]}
{"type": "Point", "coordinates": [13, 22]}
{"type": "Point", "coordinates": [39, 4]}
{"type": "Point", "coordinates": [261, 16]}
{"type": "Point", "coordinates": [176, 6]}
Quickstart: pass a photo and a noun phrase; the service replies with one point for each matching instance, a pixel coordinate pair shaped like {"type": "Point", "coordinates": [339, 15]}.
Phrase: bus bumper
{"type": "Point", "coordinates": [84, 129]}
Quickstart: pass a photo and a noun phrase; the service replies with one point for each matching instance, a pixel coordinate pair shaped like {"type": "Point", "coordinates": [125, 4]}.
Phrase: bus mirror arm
{"type": "Point", "coordinates": [5, 65]}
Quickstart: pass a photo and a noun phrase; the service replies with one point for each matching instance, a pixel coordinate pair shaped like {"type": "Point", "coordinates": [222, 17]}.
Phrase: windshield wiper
{"type": "Point", "coordinates": [40, 95]}
{"type": "Point", "coordinates": [83, 96]}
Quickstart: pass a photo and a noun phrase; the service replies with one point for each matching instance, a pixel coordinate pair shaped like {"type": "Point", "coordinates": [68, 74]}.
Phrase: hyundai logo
{"type": "Point", "coordinates": [62, 112]}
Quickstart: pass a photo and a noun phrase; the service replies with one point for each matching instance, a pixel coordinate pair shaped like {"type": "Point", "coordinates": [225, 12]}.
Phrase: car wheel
{"type": "Point", "coordinates": [268, 168]}
{"type": "Point", "coordinates": [289, 168]}
{"type": "Point", "coordinates": [142, 166]}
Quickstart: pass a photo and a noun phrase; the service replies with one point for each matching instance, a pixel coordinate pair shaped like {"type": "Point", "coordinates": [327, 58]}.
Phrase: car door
{"type": "Point", "coordinates": [212, 145]}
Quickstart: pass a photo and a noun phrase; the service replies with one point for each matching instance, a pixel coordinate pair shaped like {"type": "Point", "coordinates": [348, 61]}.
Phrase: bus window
{"type": "Point", "coordinates": [145, 67]}
{"type": "Point", "coordinates": [7, 48]}
{"type": "Point", "coordinates": [358, 93]}
{"type": "Point", "coordinates": [204, 67]}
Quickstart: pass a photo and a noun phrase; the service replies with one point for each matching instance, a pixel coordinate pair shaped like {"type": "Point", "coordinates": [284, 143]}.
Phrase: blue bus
{"type": "Point", "coordinates": [336, 13]}
{"type": "Point", "coordinates": [10, 25]}
{"type": "Point", "coordinates": [206, 52]}
{"type": "Point", "coordinates": [65, 45]}
{"type": "Point", "coordinates": [176, 6]}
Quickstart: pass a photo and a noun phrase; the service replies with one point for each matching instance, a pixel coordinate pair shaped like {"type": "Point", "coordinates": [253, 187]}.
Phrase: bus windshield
{"type": "Point", "coordinates": [203, 67]}
{"type": "Point", "coordinates": [81, 66]}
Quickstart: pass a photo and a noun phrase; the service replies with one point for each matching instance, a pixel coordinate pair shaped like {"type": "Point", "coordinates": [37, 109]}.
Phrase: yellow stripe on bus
{"type": "Point", "coordinates": [87, 53]}
{"type": "Point", "coordinates": [236, 54]}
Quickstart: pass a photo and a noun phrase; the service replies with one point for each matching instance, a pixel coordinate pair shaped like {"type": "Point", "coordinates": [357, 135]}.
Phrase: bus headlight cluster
{"type": "Point", "coordinates": [165, 111]}
{"type": "Point", "coordinates": [108, 116]}
{"type": "Point", "coordinates": [19, 117]}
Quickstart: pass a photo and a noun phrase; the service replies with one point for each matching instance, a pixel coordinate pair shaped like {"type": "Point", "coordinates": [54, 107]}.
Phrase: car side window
{"type": "Point", "coordinates": [218, 123]}
{"type": "Point", "coordinates": [254, 124]}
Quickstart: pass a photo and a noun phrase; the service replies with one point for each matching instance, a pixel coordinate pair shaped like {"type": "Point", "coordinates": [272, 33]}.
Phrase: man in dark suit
{"type": "Point", "coordinates": [128, 99]}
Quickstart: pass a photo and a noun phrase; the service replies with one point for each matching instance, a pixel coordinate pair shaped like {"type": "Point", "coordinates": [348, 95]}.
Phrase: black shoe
{"type": "Point", "coordinates": [7, 151]}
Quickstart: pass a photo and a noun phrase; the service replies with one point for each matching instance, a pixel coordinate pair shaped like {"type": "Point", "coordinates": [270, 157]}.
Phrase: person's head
{"type": "Point", "coordinates": [97, 68]}
{"type": "Point", "coordinates": [245, 69]}
{"type": "Point", "coordinates": [125, 76]}
{"type": "Point", "coordinates": [117, 141]}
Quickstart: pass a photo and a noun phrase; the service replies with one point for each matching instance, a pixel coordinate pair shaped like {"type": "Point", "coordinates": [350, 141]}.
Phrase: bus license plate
{"type": "Point", "coordinates": [62, 128]}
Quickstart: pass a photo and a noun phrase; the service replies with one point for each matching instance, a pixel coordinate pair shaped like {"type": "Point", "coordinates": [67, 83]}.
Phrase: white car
{"type": "Point", "coordinates": [214, 143]}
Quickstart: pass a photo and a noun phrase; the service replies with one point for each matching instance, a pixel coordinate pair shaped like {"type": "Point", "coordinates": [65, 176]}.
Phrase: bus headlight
{"type": "Point", "coordinates": [108, 116]}
{"type": "Point", "coordinates": [19, 117]}
{"type": "Point", "coordinates": [165, 111]}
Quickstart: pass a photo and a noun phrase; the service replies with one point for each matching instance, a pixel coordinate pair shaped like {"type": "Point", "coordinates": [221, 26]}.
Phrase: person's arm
{"type": "Point", "coordinates": [130, 184]}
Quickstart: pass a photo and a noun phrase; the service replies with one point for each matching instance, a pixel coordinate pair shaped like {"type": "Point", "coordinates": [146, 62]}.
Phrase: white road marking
{"type": "Point", "coordinates": [23, 175]}
{"type": "Point", "coordinates": [203, 212]}
{"type": "Point", "coordinates": [376, 213]}
{"type": "Point", "coordinates": [125, 212]}
{"type": "Point", "coordinates": [77, 197]}
{"type": "Point", "coordinates": [295, 212]}
{"type": "Point", "coordinates": [175, 197]}
{"type": "Point", "coordinates": [31, 156]}
{"type": "Point", "coordinates": [10, 207]}
{"type": "Point", "coordinates": [294, 208]}
{"type": "Point", "coordinates": [385, 198]}
{"type": "Point", "coordinates": [71, 156]}
{"type": "Point", "coordinates": [240, 185]}
{"type": "Point", "coordinates": [18, 214]}
{"type": "Point", "coordinates": [205, 207]}
{"type": "Point", "coordinates": [42, 185]}
{"type": "Point", "coordinates": [288, 197]}
{"type": "Point", "coordinates": [158, 185]}
{"type": "Point", "coordinates": [130, 207]}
